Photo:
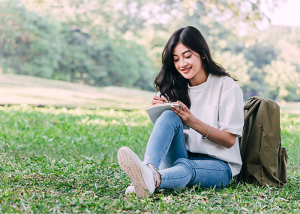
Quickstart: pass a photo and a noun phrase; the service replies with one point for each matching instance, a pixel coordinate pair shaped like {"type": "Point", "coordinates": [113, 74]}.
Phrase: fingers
{"type": "Point", "coordinates": [164, 99]}
{"type": "Point", "coordinates": [177, 110]}
{"type": "Point", "coordinates": [156, 97]}
{"type": "Point", "coordinates": [156, 100]}
{"type": "Point", "coordinates": [159, 100]}
{"type": "Point", "coordinates": [182, 111]}
{"type": "Point", "coordinates": [185, 108]}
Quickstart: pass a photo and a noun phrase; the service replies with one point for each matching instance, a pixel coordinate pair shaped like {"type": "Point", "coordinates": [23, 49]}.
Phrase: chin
{"type": "Point", "coordinates": [187, 76]}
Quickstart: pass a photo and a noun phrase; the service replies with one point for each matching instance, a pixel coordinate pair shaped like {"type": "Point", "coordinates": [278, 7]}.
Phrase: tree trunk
{"type": "Point", "coordinates": [72, 77]}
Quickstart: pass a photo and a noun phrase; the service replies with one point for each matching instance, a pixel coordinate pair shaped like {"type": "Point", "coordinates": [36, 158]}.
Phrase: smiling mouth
{"type": "Point", "coordinates": [186, 70]}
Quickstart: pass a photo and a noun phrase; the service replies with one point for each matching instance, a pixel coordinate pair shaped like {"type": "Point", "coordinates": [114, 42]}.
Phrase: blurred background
{"type": "Point", "coordinates": [106, 53]}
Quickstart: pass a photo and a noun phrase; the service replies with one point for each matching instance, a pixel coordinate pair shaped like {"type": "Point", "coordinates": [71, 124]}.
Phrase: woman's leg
{"type": "Point", "coordinates": [167, 137]}
{"type": "Point", "coordinates": [166, 143]}
{"type": "Point", "coordinates": [206, 172]}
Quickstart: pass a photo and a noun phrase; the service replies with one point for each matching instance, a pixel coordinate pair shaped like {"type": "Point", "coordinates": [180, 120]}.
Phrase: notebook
{"type": "Point", "coordinates": [155, 111]}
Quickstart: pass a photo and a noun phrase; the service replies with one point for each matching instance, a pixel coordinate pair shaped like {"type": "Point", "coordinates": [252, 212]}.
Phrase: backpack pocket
{"type": "Point", "coordinates": [283, 164]}
{"type": "Point", "coordinates": [268, 157]}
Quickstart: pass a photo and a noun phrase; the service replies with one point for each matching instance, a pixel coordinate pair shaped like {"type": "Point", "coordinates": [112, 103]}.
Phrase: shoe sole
{"type": "Point", "coordinates": [132, 169]}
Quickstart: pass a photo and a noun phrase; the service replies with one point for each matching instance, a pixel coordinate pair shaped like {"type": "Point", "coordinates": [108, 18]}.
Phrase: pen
{"type": "Point", "coordinates": [162, 100]}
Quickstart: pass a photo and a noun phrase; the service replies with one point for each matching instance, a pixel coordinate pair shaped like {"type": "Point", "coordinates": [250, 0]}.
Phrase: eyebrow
{"type": "Point", "coordinates": [183, 52]}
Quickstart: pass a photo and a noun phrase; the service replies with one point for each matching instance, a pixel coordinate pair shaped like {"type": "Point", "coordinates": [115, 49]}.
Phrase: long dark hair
{"type": "Point", "coordinates": [169, 81]}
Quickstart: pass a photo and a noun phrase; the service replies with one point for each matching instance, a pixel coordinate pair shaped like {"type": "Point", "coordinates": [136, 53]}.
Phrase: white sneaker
{"type": "Point", "coordinates": [142, 176]}
{"type": "Point", "coordinates": [130, 190]}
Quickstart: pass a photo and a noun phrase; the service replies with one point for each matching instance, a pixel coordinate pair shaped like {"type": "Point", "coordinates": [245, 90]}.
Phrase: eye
{"type": "Point", "coordinates": [188, 56]}
{"type": "Point", "coordinates": [175, 60]}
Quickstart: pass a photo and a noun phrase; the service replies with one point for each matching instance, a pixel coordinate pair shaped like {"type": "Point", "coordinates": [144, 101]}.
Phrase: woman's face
{"type": "Point", "coordinates": [187, 62]}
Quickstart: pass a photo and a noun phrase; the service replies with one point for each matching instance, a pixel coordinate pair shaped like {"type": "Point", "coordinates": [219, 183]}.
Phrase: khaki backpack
{"type": "Point", "coordinates": [264, 160]}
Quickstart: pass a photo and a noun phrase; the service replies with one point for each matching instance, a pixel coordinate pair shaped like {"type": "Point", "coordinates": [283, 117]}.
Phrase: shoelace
{"type": "Point", "coordinates": [153, 171]}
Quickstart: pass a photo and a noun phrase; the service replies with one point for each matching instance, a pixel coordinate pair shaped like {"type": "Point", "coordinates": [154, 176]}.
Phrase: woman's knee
{"type": "Point", "coordinates": [169, 116]}
{"type": "Point", "coordinates": [186, 163]}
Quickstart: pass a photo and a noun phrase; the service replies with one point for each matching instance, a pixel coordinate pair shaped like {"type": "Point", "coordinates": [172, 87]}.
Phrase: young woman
{"type": "Point", "coordinates": [208, 153]}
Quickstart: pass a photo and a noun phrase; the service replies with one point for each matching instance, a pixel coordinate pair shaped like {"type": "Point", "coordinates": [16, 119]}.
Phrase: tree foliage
{"type": "Point", "coordinates": [29, 42]}
{"type": "Point", "coordinates": [281, 77]}
{"type": "Point", "coordinates": [119, 42]}
{"type": "Point", "coordinates": [34, 45]}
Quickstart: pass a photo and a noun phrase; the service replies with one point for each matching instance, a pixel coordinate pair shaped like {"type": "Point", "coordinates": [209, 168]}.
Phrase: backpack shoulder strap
{"type": "Point", "coordinates": [251, 106]}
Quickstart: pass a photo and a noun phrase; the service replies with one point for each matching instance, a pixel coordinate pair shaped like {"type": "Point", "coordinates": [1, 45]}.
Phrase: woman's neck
{"type": "Point", "coordinates": [199, 78]}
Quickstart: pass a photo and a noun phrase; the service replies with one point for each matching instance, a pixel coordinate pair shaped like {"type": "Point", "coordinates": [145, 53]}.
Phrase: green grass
{"type": "Point", "coordinates": [59, 160]}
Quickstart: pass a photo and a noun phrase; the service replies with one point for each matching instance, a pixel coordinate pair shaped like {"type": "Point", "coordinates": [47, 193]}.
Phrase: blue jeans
{"type": "Point", "coordinates": [178, 168]}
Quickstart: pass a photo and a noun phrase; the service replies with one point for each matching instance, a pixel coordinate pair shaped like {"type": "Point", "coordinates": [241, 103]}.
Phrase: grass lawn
{"type": "Point", "coordinates": [59, 160]}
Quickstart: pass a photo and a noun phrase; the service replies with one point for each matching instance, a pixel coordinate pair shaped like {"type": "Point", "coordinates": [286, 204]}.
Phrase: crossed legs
{"type": "Point", "coordinates": [166, 150]}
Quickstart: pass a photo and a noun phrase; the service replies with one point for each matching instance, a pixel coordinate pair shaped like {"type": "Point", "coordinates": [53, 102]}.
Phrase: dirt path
{"type": "Point", "coordinates": [19, 89]}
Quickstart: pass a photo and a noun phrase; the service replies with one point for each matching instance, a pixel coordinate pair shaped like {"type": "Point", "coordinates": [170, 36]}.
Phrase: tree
{"type": "Point", "coordinates": [280, 76]}
{"type": "Point", "coordinates": [236, 65]}
{"type": "Point", "coordinates": [29, 43]}
{"type": "Point", "coordinates": [119, 42]}
{"type": "Point", "coordinates": [39, 46]}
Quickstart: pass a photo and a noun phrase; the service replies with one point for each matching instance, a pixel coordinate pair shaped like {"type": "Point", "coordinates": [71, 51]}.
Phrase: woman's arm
{"type": "Point", "coordinates": [220, 137]}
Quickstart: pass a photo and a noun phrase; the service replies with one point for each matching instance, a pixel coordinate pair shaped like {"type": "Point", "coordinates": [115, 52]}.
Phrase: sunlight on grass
{"type": "Point", "coordinates": [60, 160]}
{"type": "Point", "coordinates": [20, 89]}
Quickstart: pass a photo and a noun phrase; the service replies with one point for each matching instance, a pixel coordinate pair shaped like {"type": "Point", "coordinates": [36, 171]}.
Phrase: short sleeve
{"type": "Point", "coordinates": [231, 113]}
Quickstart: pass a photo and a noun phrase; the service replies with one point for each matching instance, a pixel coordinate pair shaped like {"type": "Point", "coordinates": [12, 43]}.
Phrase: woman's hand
{"type": "Point", "coordinates": [215, 135]}
{"type": "Point", "coordinates": [159, 100]}
{"type": "Point", "coordinates": [185, 114]}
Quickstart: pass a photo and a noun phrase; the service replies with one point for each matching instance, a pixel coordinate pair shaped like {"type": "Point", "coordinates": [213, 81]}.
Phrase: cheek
{"type": "Point", "coordinates": [195, 62]}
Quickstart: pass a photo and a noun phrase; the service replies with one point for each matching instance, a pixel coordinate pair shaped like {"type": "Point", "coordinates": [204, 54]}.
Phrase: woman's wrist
{"type": "Point", "coordinates": [222, 138]}
{"type": "Point", "coordinates": [200, 127]}
{"type": "Point", "coordinates": [206, 136]}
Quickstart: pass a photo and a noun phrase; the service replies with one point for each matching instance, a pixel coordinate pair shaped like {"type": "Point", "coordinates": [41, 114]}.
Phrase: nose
{"type": "Point", "coordinates": [182, 63]}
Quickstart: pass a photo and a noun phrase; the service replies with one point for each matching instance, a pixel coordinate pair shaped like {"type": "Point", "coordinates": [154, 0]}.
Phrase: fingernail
{"type": "Point", "coordinates": [172, 106]}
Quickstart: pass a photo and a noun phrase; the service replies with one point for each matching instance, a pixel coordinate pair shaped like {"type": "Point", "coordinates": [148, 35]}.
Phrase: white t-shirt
{"type": "Point", "coordinates": [219, 103]}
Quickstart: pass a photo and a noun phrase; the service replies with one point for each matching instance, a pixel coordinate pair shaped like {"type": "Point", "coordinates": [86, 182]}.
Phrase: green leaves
{"type": "Point", "coordinates": [37, 45]}
{"type": "Point", "coordinates": [236, 65]}
{"type": "Point", "coordinates": [280, 77]}
{"type": "Point", "coordinates": [119, 42]}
